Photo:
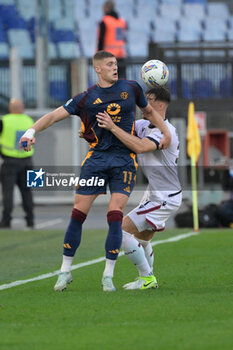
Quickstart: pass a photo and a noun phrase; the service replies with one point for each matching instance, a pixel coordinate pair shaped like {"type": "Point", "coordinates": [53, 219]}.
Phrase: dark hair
{"type": "Point", "coordinates": [161, 93]}
{"type": "Point", "coordinates": [100, 55]}
{"type": "Point", "coordinates": [109, 5]}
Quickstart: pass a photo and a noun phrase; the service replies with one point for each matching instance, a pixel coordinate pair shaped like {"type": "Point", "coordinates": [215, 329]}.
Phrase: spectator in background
{"type": "Point", "coordinates": [15, 162]}
{"type": "Point", "coordinates": [225, 209]}
{"type": "Point", "coordinates": [111, 35]}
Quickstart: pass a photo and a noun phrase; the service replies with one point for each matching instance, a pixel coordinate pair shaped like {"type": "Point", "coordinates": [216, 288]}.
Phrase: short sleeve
{"type": "Point", "coordinates": [73, 106]}
{"type": "Point", "coordinates": [155, 136]}
{"type": "Point", "coordinates": [141, 100]}
{"type": "Point", "coordinates": [140, 126]}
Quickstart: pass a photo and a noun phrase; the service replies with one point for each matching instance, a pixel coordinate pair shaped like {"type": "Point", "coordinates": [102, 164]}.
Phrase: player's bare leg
{"type": "Point", "coordinates": [82, 205]}
{"type": "Point", "coordinates": [114, 238]}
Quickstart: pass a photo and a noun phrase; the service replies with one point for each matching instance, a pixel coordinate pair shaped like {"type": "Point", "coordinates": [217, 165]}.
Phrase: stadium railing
{"type": "Point", "coordinates": [192, 68]}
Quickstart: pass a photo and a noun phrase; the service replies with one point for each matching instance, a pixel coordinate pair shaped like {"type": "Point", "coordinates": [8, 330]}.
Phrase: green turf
{"type": "Point", "coordinates": [192, 309]}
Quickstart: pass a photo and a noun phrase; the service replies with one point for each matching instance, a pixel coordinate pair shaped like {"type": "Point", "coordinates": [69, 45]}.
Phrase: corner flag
{"type": "Point", "coordinates": [193, 149]}
{"type": "Point", "coordinates": [193, 136]}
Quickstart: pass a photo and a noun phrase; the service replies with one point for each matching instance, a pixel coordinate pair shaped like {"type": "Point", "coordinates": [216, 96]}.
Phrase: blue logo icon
{"type": "Point", "coordinates": [35, 178]}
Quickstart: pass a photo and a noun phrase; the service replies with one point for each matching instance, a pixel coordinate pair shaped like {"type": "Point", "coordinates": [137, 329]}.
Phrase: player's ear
{"type": "Point", "coordinates": [97, 68]}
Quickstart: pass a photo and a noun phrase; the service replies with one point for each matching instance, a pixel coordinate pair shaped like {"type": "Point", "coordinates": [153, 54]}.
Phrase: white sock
{"type": "Point", "coordinates": [149, 253]}
{"type": "Point", "coordinates": [109, 267]}
{"type": "Point", "coordinates": [135, 252]}
{"type": "Point", "coordinates": [66, 263]}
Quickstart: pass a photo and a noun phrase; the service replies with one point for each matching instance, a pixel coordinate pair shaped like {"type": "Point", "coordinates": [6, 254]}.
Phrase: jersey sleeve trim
{"type": "Point", "coordinates": [139, 94]}
{"type": "Point", "coordinates": [155, 141]}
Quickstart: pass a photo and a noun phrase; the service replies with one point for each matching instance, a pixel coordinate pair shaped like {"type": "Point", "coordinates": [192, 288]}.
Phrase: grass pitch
{"type": "Point", "coordinates": [192, 309]}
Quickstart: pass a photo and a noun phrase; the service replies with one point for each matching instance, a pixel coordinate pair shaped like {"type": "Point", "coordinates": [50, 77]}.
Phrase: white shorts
{"type": "Point", "coordinates": [152, 216]}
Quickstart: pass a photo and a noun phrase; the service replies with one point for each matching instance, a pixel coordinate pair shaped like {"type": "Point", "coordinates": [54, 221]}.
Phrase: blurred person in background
{"type": "Point", "coordinates": [225, 209]}
{"type": "Point", "coordinates": [16, 162]}
{"type": "Point", "coordinates": [112, 35]}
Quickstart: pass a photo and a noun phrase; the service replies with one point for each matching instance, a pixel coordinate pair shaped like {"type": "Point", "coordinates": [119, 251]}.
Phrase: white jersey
{"type": "Point", "coordinates": [159, 166]}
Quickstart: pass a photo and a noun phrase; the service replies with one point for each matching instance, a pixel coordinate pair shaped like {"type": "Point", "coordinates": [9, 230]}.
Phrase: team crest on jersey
{"type": "Point", "coordinates": [124, 95]}
{"type": "Point", "coordinates": [113, 108]}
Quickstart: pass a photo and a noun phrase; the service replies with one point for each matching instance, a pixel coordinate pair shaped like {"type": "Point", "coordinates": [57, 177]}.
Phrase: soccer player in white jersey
{"type": "Point", "coordinates": [163, 196]}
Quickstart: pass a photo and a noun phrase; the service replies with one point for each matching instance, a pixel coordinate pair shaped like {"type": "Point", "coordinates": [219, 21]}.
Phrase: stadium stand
{"type": "Point", "coordinates": [29, 85]}
{"type": "Point", "coordinates": [52, 51]}
{"type": "Point", "coordinates": [170, 11]}
{"type": "Point", "coordinates": [188, 29]}
{"type": "Point", "coordinates": [185, 89]}
{"type": "Point", "coordinates": [203, 88]}
{"type": "Point", "coordinates": [20, 38]}
{"type": "Point", "coordinates": [214, 29]}
{"type": "Point", "coordinates": [225, 87]}
{"type": "Point", "coordinates": [5, 82]}
{"type": "Point", "coordinates": [172, 2]}
{"type": "Point", "coordinates": [58, 90]}
{"type": "Point", "coordinates": [72, 26]}
{"type": "Point", "coordinates": [164, 30]}
{"type": "Point", "coordinates": [27, 9]}
{"type": "Point", "coordinates": [196, 1]}
{"type": "Point", "coordinates": [218, 10]}
{"type": "Point", "coordinates": [168, 21]}
{"type": "Point", "coordinates": [195, 10]}
{"type": "Point", "coordinates": [4, 51]}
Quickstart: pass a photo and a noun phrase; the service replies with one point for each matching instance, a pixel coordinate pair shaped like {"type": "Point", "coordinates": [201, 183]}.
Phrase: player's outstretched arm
{"type": "Point", "coordinates": [43, 123]}
{"type": "Point", "coordinates": [134, 143]}
{"type": "Point", "coordinates": [156, 119]}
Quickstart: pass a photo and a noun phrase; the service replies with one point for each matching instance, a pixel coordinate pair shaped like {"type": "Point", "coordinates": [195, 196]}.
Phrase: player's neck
{"type": "Point", "coordinates": [105, 84]}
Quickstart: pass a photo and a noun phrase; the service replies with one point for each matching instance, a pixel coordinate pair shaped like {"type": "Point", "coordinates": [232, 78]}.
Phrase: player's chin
{"type": "Point", "coordinates": [115, 77]}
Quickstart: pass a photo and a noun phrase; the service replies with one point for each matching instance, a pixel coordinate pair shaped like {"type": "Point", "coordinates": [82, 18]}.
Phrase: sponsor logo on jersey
{"type": "Point", "coordinates": [113, 108]}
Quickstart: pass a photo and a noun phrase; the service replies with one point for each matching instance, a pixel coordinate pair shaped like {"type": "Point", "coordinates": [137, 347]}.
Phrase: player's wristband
{"type": "Point", "coordinates": [29, 134]}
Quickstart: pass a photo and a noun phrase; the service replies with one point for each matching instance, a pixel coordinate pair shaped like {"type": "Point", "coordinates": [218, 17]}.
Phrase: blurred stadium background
{"type": "Point", "coordinates": [45, 57]}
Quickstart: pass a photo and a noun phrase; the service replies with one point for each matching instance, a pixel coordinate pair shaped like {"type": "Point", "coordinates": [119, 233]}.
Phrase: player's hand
{"type": "Point", "coordinates": [27, 139]}
{"type": "Point", "coordinates": [165, 141]}
{"type": "Point", "coordinates": [26, 143]}
{"type": "Point", "coordinates": [80, 133]}
{"type": "Point", "coordinates": [104, 120]}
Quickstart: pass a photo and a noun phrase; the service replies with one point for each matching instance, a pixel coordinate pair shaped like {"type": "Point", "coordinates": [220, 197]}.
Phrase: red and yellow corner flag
{"type": "Point", "coordinates": [194, 150]}
{"type": "Point", "coordinates": [193, 136]}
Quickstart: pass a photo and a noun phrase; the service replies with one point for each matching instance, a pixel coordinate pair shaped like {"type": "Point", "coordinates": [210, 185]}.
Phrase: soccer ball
{"type": "Point", "coordinates": [154, 72]}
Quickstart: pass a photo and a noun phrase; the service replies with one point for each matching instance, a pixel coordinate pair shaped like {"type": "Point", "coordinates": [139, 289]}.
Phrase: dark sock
{"type": "Point", "coordinates": [73, 233]}
{"type": "Point", "coordinates": [114, 237]}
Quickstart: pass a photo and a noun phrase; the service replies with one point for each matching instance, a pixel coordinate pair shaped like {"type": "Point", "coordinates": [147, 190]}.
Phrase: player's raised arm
{"type": "Point", "coordinates": [155, 119]}
{"type": "Point", "coordinates": [43, 123]}
{"type": "Point", "coordinates": [134, 143]}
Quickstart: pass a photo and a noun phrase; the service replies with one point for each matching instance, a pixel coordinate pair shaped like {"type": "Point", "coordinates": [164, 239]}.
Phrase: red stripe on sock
{"type": "Point", "coordinates": [114, 215]}
{"type": "Point", "coordinates": [78, 215]}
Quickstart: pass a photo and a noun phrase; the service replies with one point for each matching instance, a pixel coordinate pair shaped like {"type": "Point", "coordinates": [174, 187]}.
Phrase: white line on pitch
{"type": "Point", "coordinates": [48, 223]}
{"type": "Point", "coordinates": [91, 262]}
